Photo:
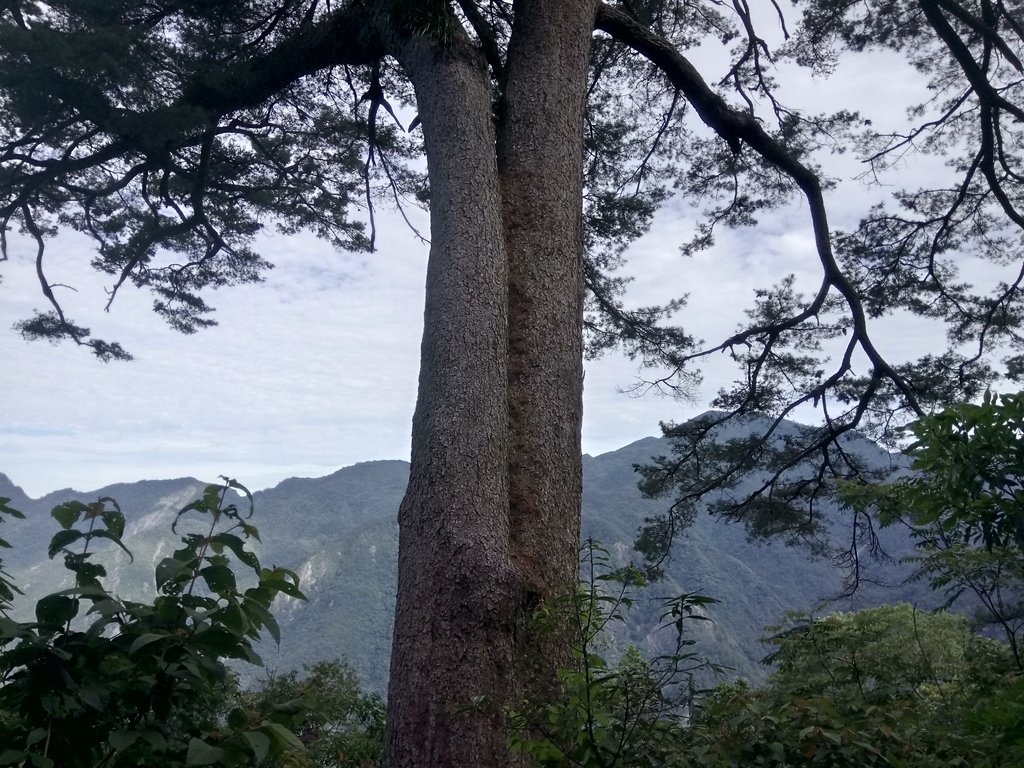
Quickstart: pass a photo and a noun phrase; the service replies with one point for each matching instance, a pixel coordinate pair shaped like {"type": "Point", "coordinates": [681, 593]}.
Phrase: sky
{"type": "Point", "coordinates": [316, 368]}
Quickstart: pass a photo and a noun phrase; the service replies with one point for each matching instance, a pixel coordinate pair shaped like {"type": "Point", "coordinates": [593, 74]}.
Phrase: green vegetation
{"type": "Point", "coordinates": [623, 711]}
{"type": "Point", "coordinates": [886, 686]}
{"type": "Point", "coordinates": [96, 680]}
{"type": "Point", "coordinates": [965, 507]}
{"type": "Point", "coordinates": [343, 726]}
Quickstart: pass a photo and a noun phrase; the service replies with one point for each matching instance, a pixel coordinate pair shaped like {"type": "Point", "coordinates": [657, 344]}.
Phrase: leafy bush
{"type": "Point", "coordinates": [608, 714]}
{"type": "Point", "coordinates": [965, 507]}
{"type": "Point", "coordinates": [887, 686]}
{"type": "Point", "coordinates": [100, 681]}
{"type": "Point", "coordinates": [343, 726]}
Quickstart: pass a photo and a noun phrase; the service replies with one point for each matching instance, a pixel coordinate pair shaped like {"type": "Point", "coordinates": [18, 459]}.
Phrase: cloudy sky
{"type": "Point", "coordinates": [316, 368]}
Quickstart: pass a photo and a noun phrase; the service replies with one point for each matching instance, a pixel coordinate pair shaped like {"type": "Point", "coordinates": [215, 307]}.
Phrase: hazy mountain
{"type": "Point", "coordinates": [340, 534]}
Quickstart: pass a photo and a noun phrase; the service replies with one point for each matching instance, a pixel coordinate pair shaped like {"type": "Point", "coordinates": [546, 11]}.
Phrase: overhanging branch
{"type": "Point", "coordinates": [738, 128]}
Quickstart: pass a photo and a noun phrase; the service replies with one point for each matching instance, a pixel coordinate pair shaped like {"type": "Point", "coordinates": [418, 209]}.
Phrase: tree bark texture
{"type": "Point", "coordinates": [452, 648]}
{"type": "Point", "coordinates": [489, 526]}
{"type": "Point", "coordinates": [540, 157]}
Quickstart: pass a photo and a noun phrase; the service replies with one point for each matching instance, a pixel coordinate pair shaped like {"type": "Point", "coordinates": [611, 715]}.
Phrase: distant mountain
{"type": "Point", "coordinates": [340, 534]}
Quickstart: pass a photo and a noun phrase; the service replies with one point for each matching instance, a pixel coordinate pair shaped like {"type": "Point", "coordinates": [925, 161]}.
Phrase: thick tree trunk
{"type": "Point", "coordinates": [540, 158]}
{"type": "Point", "coordinates": [452, 653]}
{"type": "Point", "coordinates": [489, 526]}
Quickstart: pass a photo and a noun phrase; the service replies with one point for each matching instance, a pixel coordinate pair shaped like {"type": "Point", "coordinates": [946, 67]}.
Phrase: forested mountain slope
{"type": "Point", "coordinates": [340, 534]}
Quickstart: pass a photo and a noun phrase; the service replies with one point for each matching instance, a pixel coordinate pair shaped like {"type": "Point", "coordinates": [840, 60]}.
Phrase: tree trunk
{"type": "Point", "coordinates": [540, 158]}
{"type": "Point", "coordinates": [452, 648]}
{"type": "Point", "coordinates": [489, 525]}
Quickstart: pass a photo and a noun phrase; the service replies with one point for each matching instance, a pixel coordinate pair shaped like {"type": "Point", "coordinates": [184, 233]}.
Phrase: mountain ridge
{"type": "Point", "coordinates": [339, 532]}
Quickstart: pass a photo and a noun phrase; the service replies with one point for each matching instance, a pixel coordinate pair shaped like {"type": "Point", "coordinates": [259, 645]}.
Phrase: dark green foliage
{"type": "Point", "coordinates": [7, 587]}
{"type": "Point", "coordinates": [97, 680]}
{"type": "Point", "coordinates": [881, 655]}
{"type": "Point", "coordinates": [880, 687]}
{"type": "Point", "coordinates": [343, 726]}
{"type": "Point", "coordinates": [965, 507]}
{"type": "Point", "coordinates": [612, 713]}
{"type": "Point", "coordinates": [158, 107]}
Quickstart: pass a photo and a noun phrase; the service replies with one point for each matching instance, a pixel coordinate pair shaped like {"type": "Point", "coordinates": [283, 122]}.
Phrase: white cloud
{"type": "Point", "coordinates": [316, 368]}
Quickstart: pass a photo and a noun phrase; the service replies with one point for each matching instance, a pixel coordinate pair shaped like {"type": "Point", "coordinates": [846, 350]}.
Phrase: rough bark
{"type": "Point", "coordinates": [452, 652]}
{"type": "Point", "coordinates": [540, 157]}
{"type": "Point", "coordinates": [489, 526]}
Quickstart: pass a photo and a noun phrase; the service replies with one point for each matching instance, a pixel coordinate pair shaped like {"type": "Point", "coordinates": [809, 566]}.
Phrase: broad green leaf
{"type": "Point", "coordinates": [237, 718]}
{"type": "Point", "coordinates": [113, 519]}
{"type": "Point", "coordinates": [6, 510]}
{"type": "Point", "coordinates": [260, 744]}
{"type": "Point", "coordinates": [62, 539]}
{"type": "Point", "coordinates": [12, 756]}
{"type": "Point", "coordinates": [169, 570]}
{"type": "Point", "coordinates": [111, 537]}
{"type": "Point", "coordinates": [233, 617]}
{"type": "Point", "coordinates": [281, 737]}
{"type": "Point", "coordinates": [68, 513]}
{"type": "Point", "coordinates": [143, 640]}
{"type": "Point", "coordinates": [237, 546]}
{"type": "Point", "coordinates": [155, 739]}
{"type": "Point", "coordinates": [9, 629]}
{"type": "Point", "coordinates": [212, 496]}
{"type": "Point", "coordinates": [220, 579]}
{"type": "Point", "coordinates": [93, 695]}
{"type": "Point", "coordinates": [56, 610]}
{"type": "Point", "coordinates": [36, 736]}
{"type": "Point", "coordinates": [264, 616]}
{"type": "Point", "coordinates": [201, 753]}
{"type": "Point", "coordinates": [121, 740]}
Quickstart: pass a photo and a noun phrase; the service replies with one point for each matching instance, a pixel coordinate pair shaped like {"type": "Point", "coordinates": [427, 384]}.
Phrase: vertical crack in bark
{"type": "Point", "coordinates": [540, 158]}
